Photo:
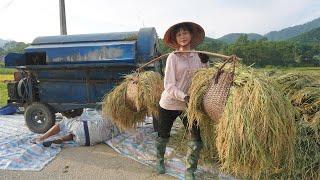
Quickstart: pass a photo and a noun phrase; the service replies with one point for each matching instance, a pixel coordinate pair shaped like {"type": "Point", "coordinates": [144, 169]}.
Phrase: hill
{"type": "Point", "coordinates": [2, 42]}
{"type": "Point", "coordinates": [310, 37]}
{"type": "Point", "coordinates": [291, 32]}
{"type": "Point", "coordinates": [283, 34]}
{"type": "Point", "coordinates": [232, 37]}
{"type": "Point", "coordinates": [210, 44]}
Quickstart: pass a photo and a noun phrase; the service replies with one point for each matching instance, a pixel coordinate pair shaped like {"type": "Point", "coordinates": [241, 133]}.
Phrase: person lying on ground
{"type": "Point", "coordinates": [86, 130]}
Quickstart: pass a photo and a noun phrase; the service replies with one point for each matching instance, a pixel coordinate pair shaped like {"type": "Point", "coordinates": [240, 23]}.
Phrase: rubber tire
{"type": "Point", "coordinates": [73, 113]}
{"type": "Point", "coordinates": [47, 112]}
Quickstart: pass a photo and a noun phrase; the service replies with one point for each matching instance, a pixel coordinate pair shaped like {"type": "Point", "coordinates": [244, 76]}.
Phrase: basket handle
{"type": "Point", "coordinates": [232, 59]}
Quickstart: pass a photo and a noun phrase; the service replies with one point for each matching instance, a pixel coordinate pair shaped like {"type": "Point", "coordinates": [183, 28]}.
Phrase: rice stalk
{"type": "Point", "coordinates": [195, 112]}
{"type": "Point", "coordinates": [151, 86]}
{"type": "Point", "coordinates": [257, 138]}
{"type": "Point", "coordinates": [307, 99]}
{"type": "Point", "coordinates": [304, 93]}
{"type": "Point", "coordinates": [256, 133]}
{"type": "Point", "coordinates": [307, 149]}
{"type": "Point", "coordinates": [292, 82]}
{"type": "Point", "coordinates": [116, 106]}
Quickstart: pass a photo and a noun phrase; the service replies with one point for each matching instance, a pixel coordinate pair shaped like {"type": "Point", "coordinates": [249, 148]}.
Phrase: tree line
{"type": "Point", "coordinates": [12, 46]}
{"type": "Point", "coordinates": [261, 53]}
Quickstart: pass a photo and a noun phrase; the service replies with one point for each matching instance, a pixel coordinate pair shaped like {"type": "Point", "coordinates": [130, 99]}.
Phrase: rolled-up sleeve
{"type": "Point", "coordinates": [170, 79]}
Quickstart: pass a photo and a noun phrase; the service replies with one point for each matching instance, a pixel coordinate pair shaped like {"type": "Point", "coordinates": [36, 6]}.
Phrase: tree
{"type": "Point", "coordinates": [242, 40]}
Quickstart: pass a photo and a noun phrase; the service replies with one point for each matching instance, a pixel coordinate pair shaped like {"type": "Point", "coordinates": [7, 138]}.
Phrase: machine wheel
{"type": "Point", "coordinates": [72, 113]}
{"type": "Point", "coordinates": [39, 117]}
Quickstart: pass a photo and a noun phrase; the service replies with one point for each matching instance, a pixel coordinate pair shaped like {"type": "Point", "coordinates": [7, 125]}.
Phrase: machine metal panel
{"type": "Point", "coordinates": [76, 92]}
{"type": "Point", "coordinates": [14, 59]}
{"type": "Point", "coordinates": [98, 37]}
{"type": "Point", "coordinates": [79, 52]}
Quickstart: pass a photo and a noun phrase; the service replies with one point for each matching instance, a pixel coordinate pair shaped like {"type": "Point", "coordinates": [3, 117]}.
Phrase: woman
{"type": "Point", "coordinates": [179, 69]}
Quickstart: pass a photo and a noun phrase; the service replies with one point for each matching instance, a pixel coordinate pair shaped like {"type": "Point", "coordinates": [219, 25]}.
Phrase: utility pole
{"type": "Point", "coordinates": [63, 23]}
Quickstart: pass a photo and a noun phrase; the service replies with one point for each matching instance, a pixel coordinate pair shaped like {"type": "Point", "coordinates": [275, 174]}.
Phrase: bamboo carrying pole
{"type": "Point", "coordinates": [203, 52]}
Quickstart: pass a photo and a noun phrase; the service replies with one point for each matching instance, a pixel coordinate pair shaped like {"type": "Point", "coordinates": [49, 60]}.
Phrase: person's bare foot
{"type": "Point", "coordinates": [37, 140]}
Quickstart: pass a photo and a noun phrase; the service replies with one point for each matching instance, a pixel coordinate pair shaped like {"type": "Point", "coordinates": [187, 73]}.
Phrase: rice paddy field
{"type": "Point", "coordinates": [314, 71]}
{"type": "Point", "coordinates": [3, 94]}
{"type": "Point", "coordinates": [5, 74]}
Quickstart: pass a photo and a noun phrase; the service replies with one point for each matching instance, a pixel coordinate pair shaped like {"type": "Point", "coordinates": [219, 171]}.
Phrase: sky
{"type": "Point", "coordinates": [24, 20]}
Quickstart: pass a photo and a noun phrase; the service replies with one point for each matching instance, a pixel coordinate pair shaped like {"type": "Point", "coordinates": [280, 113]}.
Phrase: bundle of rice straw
{"type": "Point", "coordinates": [292, 82]}
{"type": "Point", "coordinates": [307, 100]}
{"type": "Point", "coordinates": [195, 112]}
{"type": "Point", "coordinates": [199, 86]}
{"type": "Point", "coordinates": [122, 113]}
{"type": "Point", "coordinates": [197, 115]}
{"type": "Point", "coordinates": [305, 97]}
{"type": "Point", "coordinates": [255, 136]}
{"type": "Point", "coordinates": [256, 133]}
{"type": "Point", "coordinates": [307, 149]}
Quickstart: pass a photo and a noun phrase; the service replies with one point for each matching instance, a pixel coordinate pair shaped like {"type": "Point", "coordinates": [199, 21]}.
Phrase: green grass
{"type": "Point", "coordinates": [295, 69]}
{"type": "Point", "coordinates": [5, 74]}
{"type": "Point", "coordinates": [3, 94]}
{"type": "Point", "coordinates": [7, 70]}
{"type": "Point", "coordinates": [4, 70]}
{"type": "Point", "coordinates": [314, 71]}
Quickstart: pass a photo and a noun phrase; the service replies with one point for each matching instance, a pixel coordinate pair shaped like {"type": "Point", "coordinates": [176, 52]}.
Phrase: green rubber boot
{"type": "Point", "coordinates": [193, 153]}
{"type": "Point", "coordinates": [161, 144]}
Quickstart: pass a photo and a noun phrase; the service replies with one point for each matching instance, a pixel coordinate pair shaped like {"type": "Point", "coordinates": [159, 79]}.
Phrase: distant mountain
{"type": "Point", "coordinates": [232, 37]}
{"type": "Point", "coordinates": [2, 42]}
{"type": "Point", "coordinates": [211, 44]}
{"type": "Point", "coordinates": [291, 32]}
{"type": "Point", "coordinates": [283, 34]}
{"type": "Point", "coordinates": [310, 37]}
{"type": "Point", "coordinates": [209, 40]}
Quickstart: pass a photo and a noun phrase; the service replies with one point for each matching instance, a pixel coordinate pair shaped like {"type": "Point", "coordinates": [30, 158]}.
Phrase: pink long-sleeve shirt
{"type": "Point", "coordinates": [180, 68]}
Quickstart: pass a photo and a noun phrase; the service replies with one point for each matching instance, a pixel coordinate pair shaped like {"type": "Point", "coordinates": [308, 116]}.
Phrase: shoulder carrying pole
{"type": "Point", "coordinates": [203, 52]}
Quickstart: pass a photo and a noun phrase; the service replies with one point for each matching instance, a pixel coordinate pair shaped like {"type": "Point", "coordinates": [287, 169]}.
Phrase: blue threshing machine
{"type": "Point", "coordinates": [70, 72]}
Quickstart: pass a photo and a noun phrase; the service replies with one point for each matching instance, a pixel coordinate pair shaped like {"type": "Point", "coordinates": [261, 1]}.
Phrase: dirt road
{"type": "Point", "coordinates": [98, 162]}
